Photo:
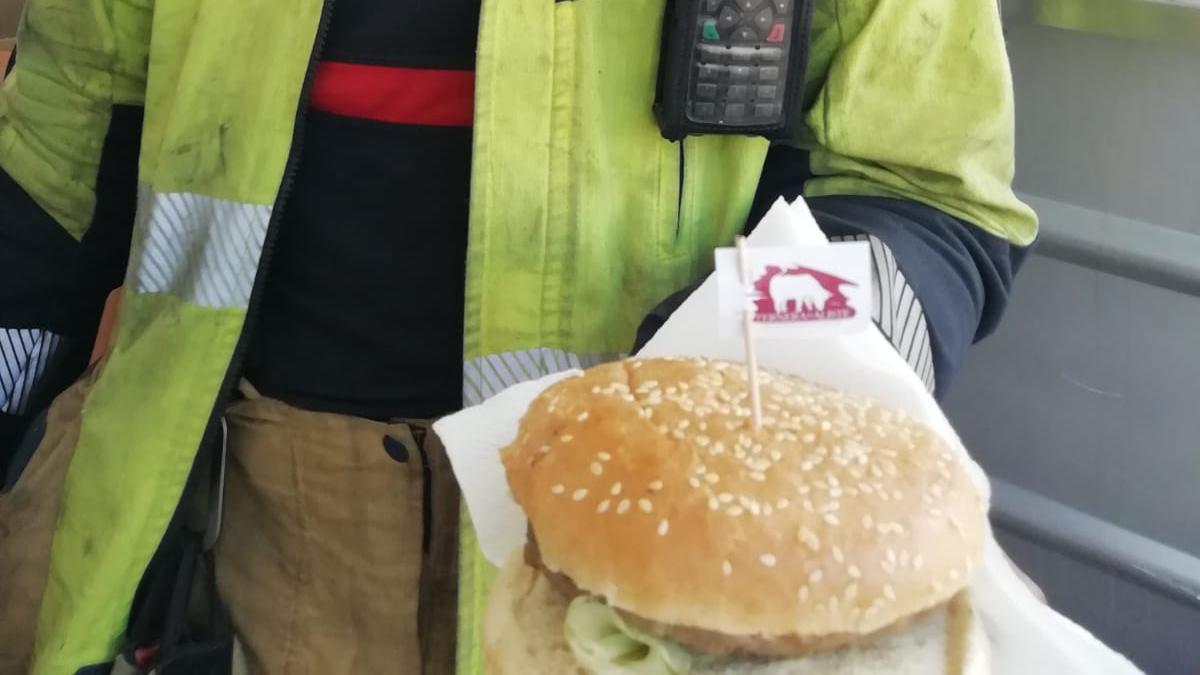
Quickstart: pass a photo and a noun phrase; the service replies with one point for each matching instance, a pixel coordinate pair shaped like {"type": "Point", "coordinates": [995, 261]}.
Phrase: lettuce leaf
{"type": "Point", "coordinates": [605, 645]}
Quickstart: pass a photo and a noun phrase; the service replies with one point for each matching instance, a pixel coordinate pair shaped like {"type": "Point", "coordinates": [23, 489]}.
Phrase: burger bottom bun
{"type": "Point", "coordinates": [524, 635]}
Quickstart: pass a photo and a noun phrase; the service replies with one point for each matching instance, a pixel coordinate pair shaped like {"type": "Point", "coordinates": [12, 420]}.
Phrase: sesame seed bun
{"type": "Point", "coordinates": [646, 484]}
{"type": "Point", "coordinates": [523, 634]}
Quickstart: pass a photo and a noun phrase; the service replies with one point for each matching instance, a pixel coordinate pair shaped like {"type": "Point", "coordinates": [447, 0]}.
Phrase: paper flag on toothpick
{"type": "Point", "coordinates": [796, 292]}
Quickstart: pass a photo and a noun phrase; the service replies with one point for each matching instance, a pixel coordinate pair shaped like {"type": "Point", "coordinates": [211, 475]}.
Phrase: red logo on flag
{"type": "Point", "coordinates": [800, 294]}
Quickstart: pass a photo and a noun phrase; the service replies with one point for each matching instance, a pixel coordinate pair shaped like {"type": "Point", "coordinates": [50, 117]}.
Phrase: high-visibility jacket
{"type": "Point", "coordinates": [582, 216]}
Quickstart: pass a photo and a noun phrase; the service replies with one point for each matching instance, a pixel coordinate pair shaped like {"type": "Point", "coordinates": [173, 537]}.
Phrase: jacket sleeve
{"type": "Point", "coordinates": [940, 283]}
{"type": "Point", "coordinates": [70, 120]}
{"type": "Point", "coordinates": [912, 99]}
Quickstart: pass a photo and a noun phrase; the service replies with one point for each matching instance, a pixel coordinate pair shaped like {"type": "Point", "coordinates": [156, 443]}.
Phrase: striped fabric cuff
{"type": "Point", "coordinates": [897, 311]}
{"type": "Point", "coordinates": [24, 354]}
{"type": "Point", "coordinates": [487, 376]}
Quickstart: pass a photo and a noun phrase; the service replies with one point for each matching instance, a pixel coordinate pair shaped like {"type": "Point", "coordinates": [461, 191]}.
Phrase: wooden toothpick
{"type": "Point", "coordinates": [748, 337]}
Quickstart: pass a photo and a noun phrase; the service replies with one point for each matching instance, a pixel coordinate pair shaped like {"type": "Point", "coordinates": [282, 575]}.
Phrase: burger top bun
{"type": "Point", "coordinates": [645, 482]}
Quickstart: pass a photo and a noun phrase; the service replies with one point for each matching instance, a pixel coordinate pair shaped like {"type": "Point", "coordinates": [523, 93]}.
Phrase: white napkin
{"type": "Point", "coordinates": [1028, 638]}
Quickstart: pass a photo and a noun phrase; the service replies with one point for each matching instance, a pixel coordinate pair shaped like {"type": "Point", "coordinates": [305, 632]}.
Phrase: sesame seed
{"type": "Point", "coordinates": [904, 558]}
{"type": "Point", "coordinates": [616, 489]}
{"type": "Point", "coordinates": [808, 505]}
{"type": "Point", "coordinates": [711, 478]}
{"type": "Point", "coordinates": [725, 497]}
{"type": "Point", "coordinates": [802, 594]}
{"type": "Point", "coordinates": [808, 538]}
{"type": "Point", "coordinates": [645, 505]}
{"type": "Point", "coordinates": [954, 575]}
{"type": "Point", "coordinates": [596, 468]}
{"type": "Point", "coordinates": [623, 506]}
{"type": "Point", "coordinates": [891, 555]}
{"type": "Point", "coordinates": [918, 562]}
{"type": "Point", "coordinates": [558, 489]}
{"type": "Point", "coordinates": [734, 511]}
{"type": "Point", "coordinates": [582, 416]}
{"type": "Point", "coordinates": [596, 390]}
{"type": "Point", "coordinates": [713, 504]}
{"type": "Point", "coordinates": [727, 568]}
{"type": "Point", "coordinates": [815, 576]}
{"type": "Point", "coordinates": [755, 475]}
{"type": "Point", "coordinates": [701, 470]}
{"type": "Point", "coordinates": [837, 555]}
{"type": "Point", "coordinates": [832, 520]}
{"type": "Point", "coordinates": [579, 494]}
{"type": "Point", "coordinates": [767, 509]}
{"type": "Point", "coordinates": [767, 560]}
{"type": "Point", "coordinates": [889, 592]}
{"type": "Point", "coordinates": [663, 526]}
{"type": "Point", "coordinates": [655, 485]}
{"type": "Point", "coordinates": [868, 522]}
{"type": "Point", "coordinates": [694, 482]}
{"type": "Point", "coordinates": [782, 503]}
{"type": "Point", "coordinates": [808, 438]}
{"type": "Point", "coordinates": [854, 572]}
{"type": "Point", "coordinates": [825, 425]}
{"type": "Point", "coordinates": [702, 441]}
{"type": "Point", "coordinates": [565, 438]}
{"type": "Point", "coordinates": [602, 506]}
{"type": "Point", "coordinates": [603, 456]}
{"type": "Point", "coordinates": [776, 455]}
{"type": "Point", "coordinates": [850, 593]}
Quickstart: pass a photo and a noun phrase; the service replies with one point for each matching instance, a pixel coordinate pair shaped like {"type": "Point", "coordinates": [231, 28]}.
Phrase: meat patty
{"type": "Point", "coordinates": [712, 643]}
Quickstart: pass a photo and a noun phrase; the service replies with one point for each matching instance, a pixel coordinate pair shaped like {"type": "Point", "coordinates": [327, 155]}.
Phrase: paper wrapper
{"type": "Point", "coordinates": [1028, 638]}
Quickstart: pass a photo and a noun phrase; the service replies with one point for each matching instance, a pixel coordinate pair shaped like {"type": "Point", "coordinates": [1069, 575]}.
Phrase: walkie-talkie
{"type": "Point", "coordinates": [732, 67]}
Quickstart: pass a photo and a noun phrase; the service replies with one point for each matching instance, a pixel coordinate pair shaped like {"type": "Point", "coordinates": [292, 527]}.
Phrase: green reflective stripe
{"type": "Point", "coordinates": [141, 426]}
{"type": "Point", "coordinates": [202, 249]}
{"type": "Point", "coordinates": [1135, 19]}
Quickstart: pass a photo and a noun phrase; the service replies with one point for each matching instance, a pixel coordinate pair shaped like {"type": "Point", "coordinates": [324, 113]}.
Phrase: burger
{"type": "Point", "coordinates": [669, 535]}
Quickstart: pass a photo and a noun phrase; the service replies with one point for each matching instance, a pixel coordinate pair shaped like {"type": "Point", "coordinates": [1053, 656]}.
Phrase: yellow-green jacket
{"type": "Point", "coordinates": [582, 216]}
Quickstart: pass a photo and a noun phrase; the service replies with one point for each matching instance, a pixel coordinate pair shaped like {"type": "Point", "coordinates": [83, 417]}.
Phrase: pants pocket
{"type": "Point", "coordinates": [320, 558]}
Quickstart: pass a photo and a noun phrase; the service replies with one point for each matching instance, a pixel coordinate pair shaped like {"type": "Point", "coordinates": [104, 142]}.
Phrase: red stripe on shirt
{"type": "Point", "coordinates": [444, 98]}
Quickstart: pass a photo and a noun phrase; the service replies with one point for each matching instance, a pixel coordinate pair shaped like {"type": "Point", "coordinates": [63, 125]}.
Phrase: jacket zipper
{"type": "Point", "coordinates": [233, 371]}
{"type": "Point", "coordinates": [679, 204]}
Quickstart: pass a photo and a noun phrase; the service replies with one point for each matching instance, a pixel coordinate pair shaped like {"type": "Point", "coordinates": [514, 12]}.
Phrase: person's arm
{"type": "Point", "coordinates": [70, 123]}
{"type": "Point", "coordinates": [910, 144]}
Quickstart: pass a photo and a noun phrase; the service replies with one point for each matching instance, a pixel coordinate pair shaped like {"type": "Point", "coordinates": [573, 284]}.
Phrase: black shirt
{"type": "Point", "coordinates": [362, 311]}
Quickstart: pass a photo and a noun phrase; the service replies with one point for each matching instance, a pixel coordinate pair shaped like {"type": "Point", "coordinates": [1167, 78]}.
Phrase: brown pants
{"type": "Point", "coordinates": [338, 552]}
{"type": "Point", "coordinates": [28, 514]}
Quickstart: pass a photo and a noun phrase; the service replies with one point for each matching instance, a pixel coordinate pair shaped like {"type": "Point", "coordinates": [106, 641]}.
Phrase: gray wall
{"type": "Point", "coordinates": [1090, 392]}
